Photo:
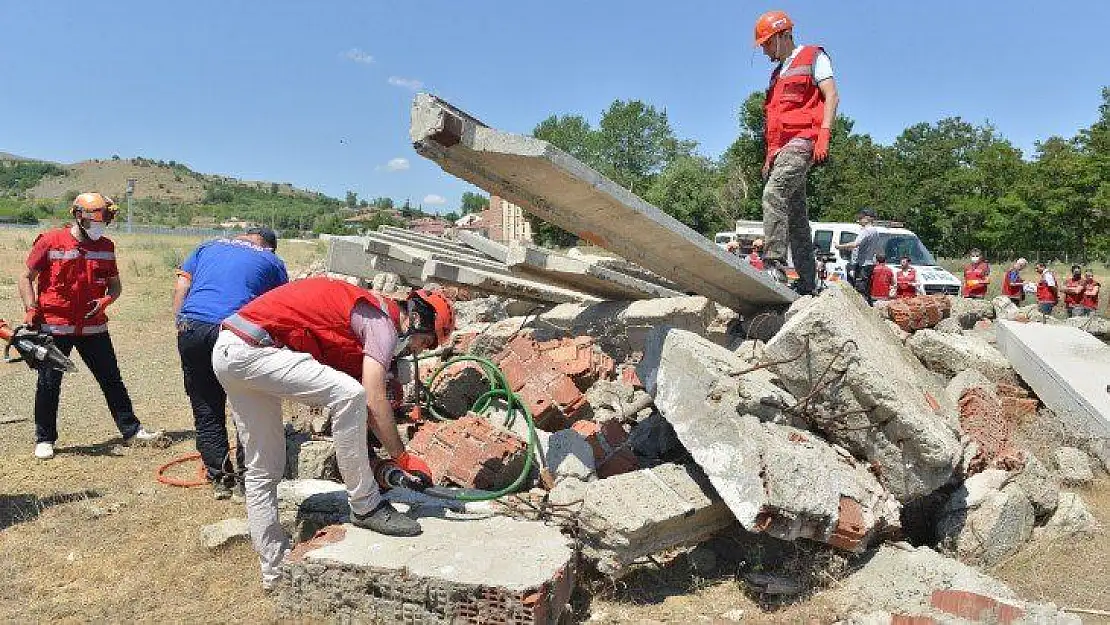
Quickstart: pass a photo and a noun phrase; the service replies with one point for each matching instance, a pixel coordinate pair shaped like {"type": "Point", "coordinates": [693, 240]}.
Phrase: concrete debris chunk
{"type": "Point", "coordinates": [838, 355]}
{"type": "Point", "coordinates": [632, 515]}
{"type": "Point", "coordinates": [950, 354]}
{"type": "Point", "coordinates": [968, 310]}
{"type": "Point", "coordinates": [965, 381]}
{"type": "Point", "coordinates": [569, 454]}
{"type": "Point", "coordinates": [1071, 517]}
{"type": "Point", "coordinates": [1068, 370]}
{"type": "Point", "coordinates": [444, 575]}
{"type": "Point", "coordinates": [309, 458]}
{"type": "Point", "coordinates": [984, 521]}
{"type": "Point", "coordinates": [1038, 483]}
{"type": "Point", "coordinates": [1098, 327]}
{"type": "Point", "coordinates": [223, 533]}
{"type": "Point", "coordinates": [556, 187]}
{"type": "Point", "coordinates": [776, 479]}
{"type": "Point", "coordinates": [482, 309]}
{"type": "Point", "coordinates": [1073, 466]}
{"type": "Point", "coordinates": [307, 505]}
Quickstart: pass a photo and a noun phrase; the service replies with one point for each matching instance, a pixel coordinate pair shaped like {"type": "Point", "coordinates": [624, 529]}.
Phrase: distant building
{"type": "Point", "coordinates": [235, 222]}
{"type": "Point", "coordinates": [503, 221]}
{"type": "Point", "coordinates": [428, 225]}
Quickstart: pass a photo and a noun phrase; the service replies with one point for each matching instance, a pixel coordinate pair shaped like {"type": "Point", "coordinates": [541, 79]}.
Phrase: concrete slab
{"type": "Point", "coordinates": [1067, 368]}
{"type": "Point", "coordinates": [553, 185]}
{"type": "Point", "coordinates": [496, 284]}
{"type": "Point", "coordinates": [608, 283]}
{"type": "Point", "coordinates": [432, 247]}
{"type": "Point", "coordinates": [444, 575]}
{"type": "Point", "coordinates": [443, 243]}
{"type": "Point", "coordinates": [385, 246]}
{"type": "Point", "coordinates": [349, 258]}
{"type": "Point", "coordinates": [485, 245]}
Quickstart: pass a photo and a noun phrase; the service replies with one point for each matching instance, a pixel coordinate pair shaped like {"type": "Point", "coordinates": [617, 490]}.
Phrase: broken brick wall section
{"type": "Point", "coordinates": [918, 313]}
{"type": "Point", "coordinates": [470, 452]}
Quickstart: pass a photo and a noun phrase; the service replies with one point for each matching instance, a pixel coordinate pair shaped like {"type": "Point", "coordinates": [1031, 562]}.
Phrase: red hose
{"type": "Point", "coordinates": [202, 474]}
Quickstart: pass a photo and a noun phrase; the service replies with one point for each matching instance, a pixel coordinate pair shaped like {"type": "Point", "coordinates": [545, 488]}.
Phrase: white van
{"type": "Point", "coordinates": [891, 239]}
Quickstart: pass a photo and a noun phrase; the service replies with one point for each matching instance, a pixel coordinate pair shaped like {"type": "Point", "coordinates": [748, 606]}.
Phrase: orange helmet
{"type": "Point", "coordinates": [444, 312]}
{"type": "Point", "coordinates": [94, 207]}
{"type": "Point", "coordinates": [770, 23]}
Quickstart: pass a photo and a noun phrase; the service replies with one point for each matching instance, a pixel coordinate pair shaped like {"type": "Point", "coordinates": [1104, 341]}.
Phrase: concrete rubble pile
{"type": "Point", "coordinates": [661, 422]}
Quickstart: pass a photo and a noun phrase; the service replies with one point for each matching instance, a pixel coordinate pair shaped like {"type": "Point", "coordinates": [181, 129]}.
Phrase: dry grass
{"type": "Point", "coordinates": [90, 535]}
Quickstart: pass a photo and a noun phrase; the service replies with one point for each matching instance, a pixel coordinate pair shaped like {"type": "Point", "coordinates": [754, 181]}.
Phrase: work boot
{"type": "Point", "coordinates": [142, 438]}
{"type": "Point", "coordinates": [44, 451]}
{"type": "Point", "coordinates": [222, 487]}
{"type": "Point", "coordinates": [385, 519]}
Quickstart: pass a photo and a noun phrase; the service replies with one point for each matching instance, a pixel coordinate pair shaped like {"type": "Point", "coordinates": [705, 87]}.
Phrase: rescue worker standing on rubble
{"type": "Point", "coordinates": [325, 343]}
{"type": "Point", "coordinates": [1048, 291]}
{"type": "Point", "coordinates": [800, 109]}
{"type": "Point", "coordinates": [977, 276]}
{"type": "Point", "coordinates": [70, 280]}
{"type": "Point", "coordinates": [1012, 284]}
{"type": "Point", "coordinates": [906, 284]}
{"type": "Point", "coordinates": [217, 279]}
{"type": "Point", "coordinates": [1073, 291]}
{"type": "Point", "coordinates": [882, 280]}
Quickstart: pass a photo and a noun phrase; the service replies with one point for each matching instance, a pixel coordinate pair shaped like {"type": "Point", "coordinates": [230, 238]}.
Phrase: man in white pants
{"type": "Point", "coordinates": [326, 343]}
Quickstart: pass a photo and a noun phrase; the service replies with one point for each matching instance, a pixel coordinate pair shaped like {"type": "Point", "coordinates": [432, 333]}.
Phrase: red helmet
{"type": "Point", "coordinates": [444, 312]}
{"type": "Point", "coordinates": [770, 23]}
{"type": "Point", "coordinates": [94, 207]}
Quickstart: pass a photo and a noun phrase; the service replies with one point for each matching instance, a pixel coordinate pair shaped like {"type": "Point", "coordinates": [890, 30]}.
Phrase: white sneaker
{"type": "Point", "coordinates": [142, 438]}
{"type": "Point", "coordinates": [44, 451]}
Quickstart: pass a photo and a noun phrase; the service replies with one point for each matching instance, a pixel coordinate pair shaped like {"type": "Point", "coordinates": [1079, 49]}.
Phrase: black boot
{"type": "Point", "coordinates": [385, 519]}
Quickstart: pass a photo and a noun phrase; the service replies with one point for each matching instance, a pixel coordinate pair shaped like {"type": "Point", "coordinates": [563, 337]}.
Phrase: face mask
{"type": "Point", "coordinates": [974, 259]}
{"type": "Point", "coordinates": [95, 230]}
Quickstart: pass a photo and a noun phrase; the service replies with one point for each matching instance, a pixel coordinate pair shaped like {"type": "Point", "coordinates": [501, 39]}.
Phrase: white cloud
{"type": "Point", "coordinates": [434, 200]}
{"type": "Point", "coordinates": [397, 164]}
{"type": "Point", "coordinates": [358, 56]}
{"type": "Point", "coordinates": [407, 83]}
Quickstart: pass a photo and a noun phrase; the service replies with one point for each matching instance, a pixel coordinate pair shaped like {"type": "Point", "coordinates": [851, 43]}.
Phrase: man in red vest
{"type": "Point", "coordinates": [1048, 292]}
{"type": "Point", "coordinates": [70, 279]}
{"type": "Point", "coordinates": [325, 343]}
{"type": "Point", "coordinates": [1089, 301]}
{"type": "Point", "coordinates": [1013, 286]}
{"type": "Point", "coordinates": [906, 284]}
{"type": "Point", "coordinates": [800, 109]}
{"type": "Point", "coordinates": [1073, 291]}
{"type": "Point", "coordinates": [882, 280]}
{"type": "Point", "coordinates": [755, 257]}
{"type": "Point", "coordinates": [977, 276]}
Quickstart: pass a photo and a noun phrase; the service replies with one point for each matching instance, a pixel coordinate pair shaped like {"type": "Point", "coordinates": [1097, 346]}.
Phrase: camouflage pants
{"type": "Point", "coordinates": [785, 216]}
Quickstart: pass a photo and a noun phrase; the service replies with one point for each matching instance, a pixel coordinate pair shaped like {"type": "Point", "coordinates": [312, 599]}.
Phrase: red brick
{"type": "Point", "coordinates": [1010, 390]}
{"type": "Point", "coordinates": [470, 452]}
{"type": "Point", "coordinates": [1018, 409]}
{"type": "Point", "coordinates": [850, 526]}
{"type": "Point", "coordinates": [607, 439]}
{"type": "Point", "coordinates": [982, 419]}
{"type": "Point", "coordinates": [916, 313]}
{"type": "Point", "coordinates": [629, 376]}
{"type": "Point", "coordinates": [975, 607]}
{"type": "Point", "coordinates": [550, 394]}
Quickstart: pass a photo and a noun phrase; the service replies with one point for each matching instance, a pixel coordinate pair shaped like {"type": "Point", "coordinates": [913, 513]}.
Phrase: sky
{"type": "Point", "coordinates": [317, 93]}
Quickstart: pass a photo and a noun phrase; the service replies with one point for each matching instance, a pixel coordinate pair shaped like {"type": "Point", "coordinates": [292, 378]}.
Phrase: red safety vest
{"type": "Point", "coordinates": [314, 316]}
{"type": "Point", "coordinates": [1090, 295]}
{"type": "Point", "coordinates": [1073, 299]}
{"type": "Point", "coordinates": [71, 275]}
{"type": "Point", "coordinates": [1011, 289]}
{"type": "Point", "coordinates": [1046, 294]}
{"type": "Point", "coordinates": [794, 106]}
{"type": "Point", "coordinates": [907, 283]}
{"type": "Point", "coordinates": [976, 279]}
{"type": "Point", "coordinates": [755, 260]}
{"type": "Point", "coordinates": [882, 278]}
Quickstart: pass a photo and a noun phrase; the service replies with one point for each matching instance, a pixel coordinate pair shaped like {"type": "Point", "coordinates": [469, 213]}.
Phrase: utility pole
{"type": "Point", "coordinates": [130, 193]}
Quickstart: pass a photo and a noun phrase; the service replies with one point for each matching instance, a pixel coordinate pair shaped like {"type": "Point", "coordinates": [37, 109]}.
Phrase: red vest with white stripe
{"type": "Point", "coordinates": [1047, 294]}
{"type": "Point", "coordinates": [75, 274]}
{"type": "Point", "coordinates": [976, 279]}
{"type": "Point", "coordinates": [907, 283]}
{"type": "Point", "coordinates": [314, 316]}
{"type": "Point", "coordinates": [1090, 295]}
{"type": "Point", "coordinates": [1073, 299]}
{"type": "Point", "coordinates": [794, 106]}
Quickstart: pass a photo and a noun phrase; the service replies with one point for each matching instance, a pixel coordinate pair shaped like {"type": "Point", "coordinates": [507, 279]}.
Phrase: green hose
{"type": "Point", "coordinates": [499, 389]}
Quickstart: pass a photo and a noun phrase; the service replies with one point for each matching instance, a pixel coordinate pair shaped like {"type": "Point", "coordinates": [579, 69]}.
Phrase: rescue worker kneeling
{"type": "Point", "coordinates": [325, 343]}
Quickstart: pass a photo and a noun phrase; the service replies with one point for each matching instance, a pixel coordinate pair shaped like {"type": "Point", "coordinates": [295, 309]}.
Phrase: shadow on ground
{"type": "Point", "coordinates": [23, 508]}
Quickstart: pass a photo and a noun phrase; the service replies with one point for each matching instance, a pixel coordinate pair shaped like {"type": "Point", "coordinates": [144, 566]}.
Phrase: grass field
{"type": "Point", "coordinates": [91, 536]}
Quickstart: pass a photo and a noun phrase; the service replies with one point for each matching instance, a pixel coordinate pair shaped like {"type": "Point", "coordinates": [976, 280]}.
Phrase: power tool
{"type": "Point", "coordinates": [389, 475]}
{"type": "Point", "coordinates": [34, 347]}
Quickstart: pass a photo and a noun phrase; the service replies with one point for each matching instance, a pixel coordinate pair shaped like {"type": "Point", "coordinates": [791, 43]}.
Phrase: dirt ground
{"type": "Point", "coordinates": [91, 535]}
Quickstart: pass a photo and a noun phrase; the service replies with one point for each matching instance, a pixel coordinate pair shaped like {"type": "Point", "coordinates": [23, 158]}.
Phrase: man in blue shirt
{"type": "Point", "coordinates": [214, 282]}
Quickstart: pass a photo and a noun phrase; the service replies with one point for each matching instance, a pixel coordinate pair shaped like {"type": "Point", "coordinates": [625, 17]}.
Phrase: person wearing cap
{"type": "Point", "coordinates": [1073, 291]}
{"type": "Point", "coordinates": [862, 260]}
{"type": "Point", "coordinates": [325, 343]}
{"type": "Point", "coordinates": [800, 109]}
{"type": "Point", "coordinates": [214, 282]}
{"type": "Point", "coordinates": [69, 281]}
{"type": "Point", "coordinates": [977, 276]}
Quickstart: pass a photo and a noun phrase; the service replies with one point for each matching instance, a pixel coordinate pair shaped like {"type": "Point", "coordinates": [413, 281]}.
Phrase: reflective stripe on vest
{"type": "Point", "coordinates": [250, 332]}
{"type": "Point", "coordinates": [63, 254]}
{"type": "Point", "coordinates": [100, 255]}
{"type": "Point", "coordinates": [68, 329]}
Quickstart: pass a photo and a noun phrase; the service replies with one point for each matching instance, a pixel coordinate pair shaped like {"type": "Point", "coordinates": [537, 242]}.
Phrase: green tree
{"type": "Point", "coordinates": [382, 203]}
{"type": "Point", "coordinates": [352, 199]}
{"type": "Point", "coordinates": [635, 142]}
{"type": "Point", "coordinates": [687, 191]}
{"type": "Point", "coordinates": [473, 203]}
{"type": "Point", "coordinates": [572, 134]}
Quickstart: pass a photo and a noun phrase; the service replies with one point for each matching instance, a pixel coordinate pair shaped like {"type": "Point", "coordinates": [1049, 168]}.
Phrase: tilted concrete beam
{"type": "Point", "coordinates": [496, 284]}
{"type": "Point", "coordinates": [554, 186]}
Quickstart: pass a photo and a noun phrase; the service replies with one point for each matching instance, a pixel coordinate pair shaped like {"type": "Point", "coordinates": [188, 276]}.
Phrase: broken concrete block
{"type": "Point", "coordinates": [620, 328]}
{"type": "Point", "coordinates": [965, 380]}
{"type": "Point", "coordinates": [1004, 308]}
{"type": "Point", "coordinates": [632, 515]}
{"type": "Point", "coordinates": [569, 454]}
{"type": "Point", "coordinates": [482, 309]}
{"type": "Point", "coordinates": [897, 331]}
{"type": "Point", "coordinates": [949, 325]}
{"type": "Point", "coordinates": [654, 441]}
{"type": "Point", "coordinates": [776, 479]}
{"type": "Point", "coordinates": [444, 575]}
{"type": "Point", "coordinates": [950, 354]}
{"type": "Point", "coordinates": [1098, 327]}
{"type": "Point", "coordinates": [307, 505]}
{"type": "Point", "coordinates": [308, 458]}
{"type": "Point", "coordinates": [226, 532]}
{"type": "Point", "coordinates": [457, 388]}
{"type": "Point", "coordinates": [1071, 517]}
{"type": "Point", "coordinates": [982, 524]}
{"type": "Point", "coordinates": [838, 355]}
{"type": "Point", "coordinates": [488, 340]}
{"type": "Point", "coordinates": [1038, 483]}
{"type": "Point", "coordinates": [723, 329]}
{"type": "Point", "coordinates": [968, 310]}
{"type": "Point", "coordinates": [1073, 466]}
{"type": "Point", "coordinates": [470, 452]}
